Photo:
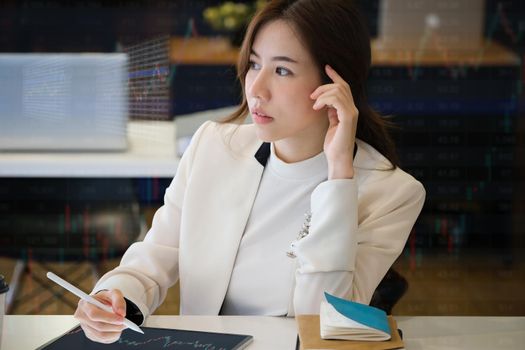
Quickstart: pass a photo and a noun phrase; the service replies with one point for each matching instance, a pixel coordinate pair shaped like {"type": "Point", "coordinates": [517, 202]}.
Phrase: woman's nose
{"type": "Point", "coordinates": [258, 85]}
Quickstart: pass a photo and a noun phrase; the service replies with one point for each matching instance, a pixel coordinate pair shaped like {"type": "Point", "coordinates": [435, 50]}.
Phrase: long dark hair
{"type": "Point", "coordinates": [335, 33]}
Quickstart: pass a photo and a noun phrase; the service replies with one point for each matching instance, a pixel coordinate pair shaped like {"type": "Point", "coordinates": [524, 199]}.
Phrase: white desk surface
{"type": "Point", "coordinates": [151, 153]}
{"type": "Point", "coordinates": [420, 333]}
{"type": "Point", "coordinates": [30, 332]}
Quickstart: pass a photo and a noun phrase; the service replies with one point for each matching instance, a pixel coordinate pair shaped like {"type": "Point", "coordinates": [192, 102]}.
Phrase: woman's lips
{"type": "Point", "coordinates": [260, 118]}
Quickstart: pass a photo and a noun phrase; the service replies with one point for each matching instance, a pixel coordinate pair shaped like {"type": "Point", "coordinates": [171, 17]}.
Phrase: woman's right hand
{"type": "Point", "coordinates": [99, 325]}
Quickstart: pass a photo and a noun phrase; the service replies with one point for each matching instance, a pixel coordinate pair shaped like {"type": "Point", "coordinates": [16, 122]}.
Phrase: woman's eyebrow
{"type": "Point", "coordinates": [276, 58]}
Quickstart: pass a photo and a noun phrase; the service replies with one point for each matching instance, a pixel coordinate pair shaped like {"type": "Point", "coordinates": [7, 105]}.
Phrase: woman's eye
{"type": "Point", "coordinates": [254, 65]}
{"type": "Point", "coordinates": [282, 71]}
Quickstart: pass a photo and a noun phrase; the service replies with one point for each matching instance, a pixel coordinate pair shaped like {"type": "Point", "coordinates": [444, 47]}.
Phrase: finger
{"type": "Point", "coordinates": [326, 100]}
{"type": "Point", "coordinates": [99, 326]}
{"type": "Point", "coordinates": [118, 303]}
{"type": "Point", "coordinates": [94, 313]}
{"type": "Point", "coordinates": [104, 327]}
{"type": "Point", "coordinates": [103, 296]}
{"type": "Point", "coordinates": [335, 88]}
{"type": "Point", "coordinates": [101, 337]}
{"type": "Point", "coordinates": [319, 104]}
{"type": "Point", "coordinates": [321, 90]}
{"type": "Point", "coordinates": [332, 74]}
{"type": "Point", "coordinates": [338, 79]}
{"type": "Point", "coordinates": [113, 298]}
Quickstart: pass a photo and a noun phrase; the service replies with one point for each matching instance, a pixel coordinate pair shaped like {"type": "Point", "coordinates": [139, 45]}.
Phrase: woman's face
{"type": "Point", "coordinates": [280, 79]}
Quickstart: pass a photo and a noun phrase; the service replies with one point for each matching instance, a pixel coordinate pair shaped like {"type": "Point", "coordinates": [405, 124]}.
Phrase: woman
{"type": "Point", "coordinates": [232, 214]}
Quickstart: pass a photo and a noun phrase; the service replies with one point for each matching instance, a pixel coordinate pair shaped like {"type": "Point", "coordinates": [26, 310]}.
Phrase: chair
{"type": "Point", "coordinates": [389, 291]}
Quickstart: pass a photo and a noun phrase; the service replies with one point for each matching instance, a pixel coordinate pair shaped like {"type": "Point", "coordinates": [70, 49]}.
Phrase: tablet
{"type": "Point", "coordinates": [152, 339]}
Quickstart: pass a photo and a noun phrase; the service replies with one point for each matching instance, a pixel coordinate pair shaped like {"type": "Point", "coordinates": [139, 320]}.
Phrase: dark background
{"type": "Point", "coordinates": [461, 129]}
{"type": "Point", "coordinates": [68, 26]}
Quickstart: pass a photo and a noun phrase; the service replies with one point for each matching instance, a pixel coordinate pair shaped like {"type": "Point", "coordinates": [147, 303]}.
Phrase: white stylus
{"type": "Point", "coordinates": [89, 299]}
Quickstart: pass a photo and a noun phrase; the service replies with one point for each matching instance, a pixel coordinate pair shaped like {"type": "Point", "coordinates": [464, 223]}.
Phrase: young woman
{"type": "Point", "coordinates": [229, 226]}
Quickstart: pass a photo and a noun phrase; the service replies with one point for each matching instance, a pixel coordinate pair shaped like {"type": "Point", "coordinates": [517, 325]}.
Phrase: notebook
{"type": "Point", "coordinates": [63, 102]}
{"type": "Point", "coordinates": [431, 24]}
{"type": "Point", "coordinates": [344, 324]}
{"type": "Point", "coordinates": [310, 339]}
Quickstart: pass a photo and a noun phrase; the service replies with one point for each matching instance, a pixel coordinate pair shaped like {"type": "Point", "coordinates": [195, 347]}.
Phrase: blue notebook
{"type": "Point", "coordinates": [348, 320]}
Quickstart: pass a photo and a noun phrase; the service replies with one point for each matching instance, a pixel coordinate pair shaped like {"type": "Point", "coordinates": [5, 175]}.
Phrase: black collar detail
{"type": "Point", "coordinates": [263, 153]}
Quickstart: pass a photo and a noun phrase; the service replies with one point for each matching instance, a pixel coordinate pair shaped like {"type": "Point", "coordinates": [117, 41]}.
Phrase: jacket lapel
{"type": "Point", "coordinates": [223, 202]}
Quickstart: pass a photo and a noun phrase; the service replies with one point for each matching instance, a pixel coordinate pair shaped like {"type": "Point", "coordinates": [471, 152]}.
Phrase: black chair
{"type": "Point", "coordinates": [389, 291]}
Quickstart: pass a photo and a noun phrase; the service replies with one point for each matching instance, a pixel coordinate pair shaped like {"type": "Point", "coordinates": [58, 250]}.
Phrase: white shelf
{"type": "Point", "coordinates": [151, 153]}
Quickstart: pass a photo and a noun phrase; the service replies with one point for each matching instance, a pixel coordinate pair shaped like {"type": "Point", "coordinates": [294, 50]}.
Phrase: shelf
{"type": "Point", "coordinates": [151, 153]}
{"type": "Point", "coordinates": [218, 51]}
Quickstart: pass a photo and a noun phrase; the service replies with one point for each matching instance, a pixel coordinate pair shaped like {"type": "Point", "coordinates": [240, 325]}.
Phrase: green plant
{"type": "Point", "coordinates": [231, 16]}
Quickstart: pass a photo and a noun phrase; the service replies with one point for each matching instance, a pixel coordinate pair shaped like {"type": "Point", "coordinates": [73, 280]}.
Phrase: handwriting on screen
{"type": "Point", "coordinates": [153, 339]}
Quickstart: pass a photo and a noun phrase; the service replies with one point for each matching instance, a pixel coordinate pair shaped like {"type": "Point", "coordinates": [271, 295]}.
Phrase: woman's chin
{"type": "Point", "coordinates": [264, 134]}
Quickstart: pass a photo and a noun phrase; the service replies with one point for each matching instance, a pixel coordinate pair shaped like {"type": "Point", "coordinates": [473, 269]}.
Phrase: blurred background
{"type": "Point", "coordinates": [449, 73]}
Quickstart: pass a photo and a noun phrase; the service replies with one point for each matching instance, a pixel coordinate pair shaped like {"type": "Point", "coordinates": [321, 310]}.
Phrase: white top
{"type": "Point", "coordinates": [275, 220]}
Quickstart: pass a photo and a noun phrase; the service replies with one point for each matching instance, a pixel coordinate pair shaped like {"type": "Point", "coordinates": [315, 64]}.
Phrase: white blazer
{"type": "Point", "coordinates": [358, 228]}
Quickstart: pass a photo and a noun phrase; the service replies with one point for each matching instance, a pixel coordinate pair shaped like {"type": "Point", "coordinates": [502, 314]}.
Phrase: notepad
{"type": "Point", "coordinates": [347, 325]}
{"type": "Point", "coordinates": [153, 339]}
{"type": "Point", "coordinates": [348, 320]}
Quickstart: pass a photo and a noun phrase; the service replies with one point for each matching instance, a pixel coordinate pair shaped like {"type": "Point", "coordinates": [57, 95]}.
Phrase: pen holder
{"type": "Point", "coordinates": [3, 293]}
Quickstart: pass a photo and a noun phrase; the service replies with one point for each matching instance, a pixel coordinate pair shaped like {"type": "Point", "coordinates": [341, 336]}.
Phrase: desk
{"type": "Point", "coordinates": [151, 153]}
{"type": "Point", "coordinates": [270, 333]}
{"type": "Point", "coordinates": [420, 333]}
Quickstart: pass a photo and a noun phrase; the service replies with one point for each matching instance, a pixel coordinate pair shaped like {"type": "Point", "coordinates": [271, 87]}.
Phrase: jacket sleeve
{"type": "Point", "coordinates": [150, 267]}
{"type": "Point", "coordinates": [354, 239]}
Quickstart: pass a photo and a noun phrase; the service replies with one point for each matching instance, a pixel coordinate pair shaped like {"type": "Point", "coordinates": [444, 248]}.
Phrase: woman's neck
{"type": "Point", "coordinates": [292, 150]}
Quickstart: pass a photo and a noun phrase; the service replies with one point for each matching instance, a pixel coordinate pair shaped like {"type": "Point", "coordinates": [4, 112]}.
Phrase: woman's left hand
{"type": "Point", "coordinates": [339, 142]}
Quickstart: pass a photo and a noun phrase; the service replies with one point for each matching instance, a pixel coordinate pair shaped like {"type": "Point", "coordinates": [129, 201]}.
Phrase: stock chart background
{"type": "Point", "coordinates": [460, 131]}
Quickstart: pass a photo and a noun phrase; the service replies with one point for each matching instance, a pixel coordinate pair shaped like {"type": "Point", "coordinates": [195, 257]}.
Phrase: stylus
{"type": "Point", "coordinates": [89, 299]}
